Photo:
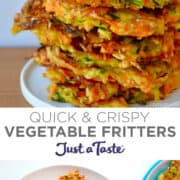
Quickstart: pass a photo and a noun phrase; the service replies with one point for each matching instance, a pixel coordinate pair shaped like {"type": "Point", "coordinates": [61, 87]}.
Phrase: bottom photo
{"type": "Point", "coordinates": [47, 170]}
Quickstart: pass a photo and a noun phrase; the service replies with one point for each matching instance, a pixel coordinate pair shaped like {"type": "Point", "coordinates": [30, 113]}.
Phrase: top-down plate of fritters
{"type": "Point", "coordinates": [106, 53]}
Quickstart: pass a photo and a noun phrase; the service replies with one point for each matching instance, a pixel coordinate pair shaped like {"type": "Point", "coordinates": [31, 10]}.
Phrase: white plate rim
{"type": "Point", "coordinates": [80, 168]}
{"type": "Point", "coordinates": [24, 89]}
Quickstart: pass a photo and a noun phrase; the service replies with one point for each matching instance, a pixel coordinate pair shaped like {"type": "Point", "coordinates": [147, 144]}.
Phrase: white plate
{"type": "Point", "coordinates": [34, 85]}
{"type": "Point", "coordinates": [52, 173]}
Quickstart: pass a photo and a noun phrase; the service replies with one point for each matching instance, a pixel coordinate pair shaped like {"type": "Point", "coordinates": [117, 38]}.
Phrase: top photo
{"type": "Point", "coordinates": [77, 53]}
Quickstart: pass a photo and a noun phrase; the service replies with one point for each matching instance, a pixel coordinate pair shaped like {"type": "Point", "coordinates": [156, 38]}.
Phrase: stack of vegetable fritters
{"type": "Point", "coordinates": [106, 53]}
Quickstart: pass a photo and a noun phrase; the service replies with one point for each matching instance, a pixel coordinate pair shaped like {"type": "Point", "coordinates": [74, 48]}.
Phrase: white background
{"type": "Point", "coordinates": [140, 155]}
{"type": "Point", "coordinates": [7, 10]}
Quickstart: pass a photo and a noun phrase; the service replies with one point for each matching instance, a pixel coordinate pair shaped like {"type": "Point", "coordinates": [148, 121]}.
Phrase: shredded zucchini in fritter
{"type": "Point", "coordinates": [136, 4]}
{"type": "Point", "coordinates": [127, 23]}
